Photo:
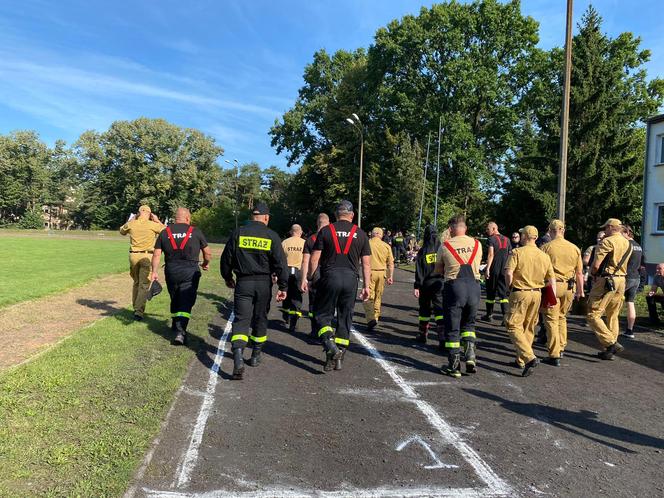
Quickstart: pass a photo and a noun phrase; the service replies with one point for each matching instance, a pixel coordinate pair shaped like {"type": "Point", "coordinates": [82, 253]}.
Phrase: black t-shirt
{"type": "Point", "coordinates": [501, 250]}
{"type": "Point", "coordinates": [309, 244]}
{"type": "Point", "coordinates": [181, 257]}
{"type": "Point", "coordinates": [635, 261]}
{"type": "Point", "coordinates": [329, 259]}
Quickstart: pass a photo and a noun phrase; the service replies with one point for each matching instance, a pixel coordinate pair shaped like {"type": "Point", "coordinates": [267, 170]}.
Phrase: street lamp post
{"type": "Point", "coordinates": [236, 163]}
{"type": "Point", "coordinates": [354, 120]}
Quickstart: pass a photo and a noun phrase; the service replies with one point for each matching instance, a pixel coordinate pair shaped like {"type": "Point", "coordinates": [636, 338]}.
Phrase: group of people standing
{"type": "Point", "coordinates": [526, 281]}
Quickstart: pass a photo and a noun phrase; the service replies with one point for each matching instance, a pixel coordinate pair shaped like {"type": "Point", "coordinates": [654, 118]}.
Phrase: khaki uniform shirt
{"type": "Point", "coordinates": [565, 258]}
{"type": "Point", "coordinates": [614, 248]}
{"type": "Point", "coordinates": [381, 254]}
{"type": "Point", "coordinates": [293, 247]}
{"type": "Point", "coordinates": [464, 246]}
{"type": "Point", "coordinates": [142, 234]}
{"type": "Point", "coordinates": [530, 267]}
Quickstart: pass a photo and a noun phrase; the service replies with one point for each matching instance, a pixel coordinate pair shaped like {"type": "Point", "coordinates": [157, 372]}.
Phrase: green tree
{"type": "Point", "coordinates": [610, 99]}
{"type": "Point", "coordinates": [144, 161]}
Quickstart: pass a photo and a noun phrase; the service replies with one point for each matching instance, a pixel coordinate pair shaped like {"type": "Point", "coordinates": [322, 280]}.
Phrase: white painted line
{"type": "Point", "coordinates": [437, 465]}
{"type": "Point", "coordinates": [496, 485]}
{"type": "Point", "coordinates": [383, 492]}
{"type": "Point", "coordinates": [191, 456]}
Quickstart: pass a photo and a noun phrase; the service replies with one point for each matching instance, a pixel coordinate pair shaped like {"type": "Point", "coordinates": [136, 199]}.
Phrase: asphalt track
{"type": "Point", "coordinates": [390, 424]}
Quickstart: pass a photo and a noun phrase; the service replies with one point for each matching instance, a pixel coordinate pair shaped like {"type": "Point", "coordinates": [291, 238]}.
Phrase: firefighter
{"type": "Point", "coordinates": [181, 243]}
{"type": "Point", "coordinates": [428, 287]}
{"type": "Point", "coordinates": [459, 263]}
{"type": "Point", "coordinates": [568, 269]}
{"type": "Point", "coordinates": [322, 221]}
{"type": "Point", "coordinates": [609, 266]}
{"type": "Point", "coordinates": [340, 249]}
{"type": "Point", "coordinates": [496, 289]}
{"type": "Point", "coordinates": [528, 270]}
{"type": "Point", "coordinates": [293, 246]}
{"type": "Point", "coordinates": [382, 271]}
{"type": "Point", "coordinates": [143, 231]}
{"type": "Point", "coordinates": [251, 256]}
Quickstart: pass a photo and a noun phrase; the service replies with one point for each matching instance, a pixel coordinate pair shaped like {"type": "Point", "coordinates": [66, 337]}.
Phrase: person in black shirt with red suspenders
{"type": "Point", "coordinates": [339, 249]}
{"type": "Point", "coordinates": [323, 221]}
{"type": "Point", "coordinates": [181, 243]}
{"type": "Point", "coordinates": [496, 259]}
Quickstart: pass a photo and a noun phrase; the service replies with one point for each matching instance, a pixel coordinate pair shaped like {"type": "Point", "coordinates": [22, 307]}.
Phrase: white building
{"type": "Point", "coordinates": [653, 194]}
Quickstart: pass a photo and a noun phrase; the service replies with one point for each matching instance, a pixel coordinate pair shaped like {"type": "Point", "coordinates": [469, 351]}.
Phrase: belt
{"type": "Point", "coordinates": [141, 252]}
{"type": "Point", "coordinates": [378, 269]}
{"type": "Point", "coordinates": [526, 290]}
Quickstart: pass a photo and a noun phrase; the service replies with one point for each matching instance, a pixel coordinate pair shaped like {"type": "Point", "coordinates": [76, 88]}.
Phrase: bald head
{"type": "Point", "coordinates": [491, 228]}
{"type": "Point", "coordinates": [296, 230]}
{"type": "Point", "coordinates": [182, 215]}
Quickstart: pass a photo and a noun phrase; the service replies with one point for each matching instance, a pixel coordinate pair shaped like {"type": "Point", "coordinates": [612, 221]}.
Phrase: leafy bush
{"type": "Point", "coordinates": [31, 220]}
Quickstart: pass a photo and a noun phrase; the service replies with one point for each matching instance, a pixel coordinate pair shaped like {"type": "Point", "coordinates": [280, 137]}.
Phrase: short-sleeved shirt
{"type": "Point", "coordinates": [188, 256]}
{"type": "Point", "coordinates": [635, 261]}
{"type": "Point", "coordinates": [142, 234]}
{"type": "Point", "coordinates": [501, 250]}
{"type": "Point", "coordinates": [530, 267]}
{"type": "Point", "coordinates": [309, 244]}
{"type": "Point", "coordinates": [329, 259]}
{"type": "Point", "coordinates": [293, 247]}
{"type": "Point", "coordinates": [565, 258]}
{"type": "Point", "coordinates": [381, 254]}
{"type": "Point", "coordinates": [464, 246]}
{"type": "Point", "coordinates": [612, 249]}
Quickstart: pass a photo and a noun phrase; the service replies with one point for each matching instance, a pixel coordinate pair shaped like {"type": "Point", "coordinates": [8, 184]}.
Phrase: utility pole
{"type": "Point", "coordinates": [424, 183]}
{"type": "Point", "coordinates": [354, 120]}
{"type": "Point", "coordinates": [564, 125]}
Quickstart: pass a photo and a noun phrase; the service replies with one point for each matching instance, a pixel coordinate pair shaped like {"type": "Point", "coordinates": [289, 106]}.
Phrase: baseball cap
{"type": "Point", "coordinates": [155, 288]}
{"type": "Point", "coordinates": [378, 231]}
{"type": "Point", "coordinates": [144, 209]}
{"type": "Point", "coordinates": [344, 206]}
{"type": "Point", "coordinates": [261, 208]}
{"type": "Point", "coordinates": [612, 222]}
{"type": "Point", "coordinates": [556, 225]}
{"type": "Point", "coordinates": [530, 231]}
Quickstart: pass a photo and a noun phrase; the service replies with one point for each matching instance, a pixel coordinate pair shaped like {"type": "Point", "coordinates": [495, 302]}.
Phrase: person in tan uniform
{"type": "Point", "coordinates": [459, 263]}
{"type": "Point", "coordinates": [143, 231]}
{"type": "Point", "coordinates": [293, 248]}
{"type": "Point", "coordinates": [568, 269]}
{"type": "Point", "coordinates": [609, 266]}
{"type": "Point", "coordinates": [382, 269]}
{"type": "Point", "coordinates": [528, 270]}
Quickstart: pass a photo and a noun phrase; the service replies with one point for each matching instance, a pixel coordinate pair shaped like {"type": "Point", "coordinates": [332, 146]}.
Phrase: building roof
{"type": "Point", "coordinates": [655, 119]}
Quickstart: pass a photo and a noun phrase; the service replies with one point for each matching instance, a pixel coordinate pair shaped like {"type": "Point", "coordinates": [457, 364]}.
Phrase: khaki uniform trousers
{"type": "Point", "coordinates": [555, 320]}
{"type": "Point", "coordinates": [376, 288]}
{"type": "Point", "coordinates": [521, 321]}
{"type": "Point", "coordinates": [139, 269]}
{"type": "Point", "coordinates": [601, 302]}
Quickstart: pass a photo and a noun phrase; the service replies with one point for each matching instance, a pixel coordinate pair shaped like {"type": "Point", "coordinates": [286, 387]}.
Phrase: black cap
{"type": "Point", "coordinates": [261, 208]}
{"type": "Point", "coordinates": [155, 288]}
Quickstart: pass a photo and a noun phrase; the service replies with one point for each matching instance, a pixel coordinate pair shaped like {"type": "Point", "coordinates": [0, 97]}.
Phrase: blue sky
{"type": "Point", "coordinates": [227, 67]}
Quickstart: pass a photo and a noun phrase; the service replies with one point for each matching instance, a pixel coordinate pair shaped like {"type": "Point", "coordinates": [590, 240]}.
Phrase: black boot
{"type": "Point", "coordinates": [528, 368]}
{"type": "Point", "coordinates": [503, 310]}
{"type": "Point", "coordinates": [469, 354]}
{"type": "Point", "coordinates": [371, 326]}
{"type": "Point", "coordinates": [255, 355]}
{"type": "Point", "coordinates": [332, 353]}
{"type": "Point", "coordinates": [453, 368]}
{"type": "Point", "coordinates": [293, 323]}
{"type": "Point", "coordinates": [488, 317]}
{"type": "Point", "coordinates": [422, 334]}
{"type": "Point", "coordinates": [339, 361]}
{"type": "Point", "coordinates": [238, 363]}
{"type": "Point", "coordinates": [180, 334]}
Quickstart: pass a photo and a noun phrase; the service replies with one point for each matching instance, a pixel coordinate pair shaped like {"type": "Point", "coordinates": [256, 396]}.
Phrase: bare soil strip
{"type": "Point", "coordinates": [30, 327]}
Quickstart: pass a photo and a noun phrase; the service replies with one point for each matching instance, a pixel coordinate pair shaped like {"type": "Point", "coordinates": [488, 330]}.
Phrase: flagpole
{"type": "Point", "coordinates": [435, 213]}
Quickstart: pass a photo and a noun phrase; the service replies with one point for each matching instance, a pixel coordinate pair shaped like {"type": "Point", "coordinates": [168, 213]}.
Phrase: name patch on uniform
{"type": "Point", "coordinates": [431, 258]}
{"type": "Point", "coordinates": [255, 243]}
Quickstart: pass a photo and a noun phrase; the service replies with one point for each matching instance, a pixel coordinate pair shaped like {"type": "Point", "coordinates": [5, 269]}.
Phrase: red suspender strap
{"type": "Point", "coordinates": [335, 239]}
{"type": "Point", "coordinates": [458, 258]}
{"type": "Point", "coordinates": [503, 245]}
{"type": "Point", "coordinates": [350, 239]}
{"type": "Point", "coordinates": [454, 253]}
{"type": "Point", "coordinates": [313, 237]}
{"type": "Point", "coordinates": [170, 237]}
{"type": "Point", "coordinates": [472, 256]}
{"type": "Point", "coordinates": [186, 237]}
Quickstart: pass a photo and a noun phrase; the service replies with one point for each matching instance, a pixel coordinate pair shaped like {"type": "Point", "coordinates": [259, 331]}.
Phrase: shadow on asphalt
{"type": "Point", "coordinates": [575, 422]}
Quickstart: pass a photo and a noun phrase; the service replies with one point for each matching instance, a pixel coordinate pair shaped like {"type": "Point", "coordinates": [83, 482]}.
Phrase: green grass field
{"type": "Point", "coordinates": [78, 420]}
{"type": "Point", "coordinates": [36, 266]}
